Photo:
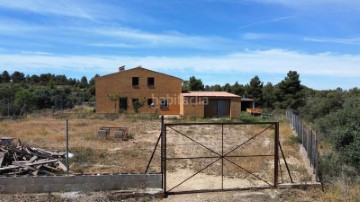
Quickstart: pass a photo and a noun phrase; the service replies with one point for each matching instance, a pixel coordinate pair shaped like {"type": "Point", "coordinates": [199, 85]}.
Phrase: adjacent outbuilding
{"type": "Point", "coordinates": [210, 104]}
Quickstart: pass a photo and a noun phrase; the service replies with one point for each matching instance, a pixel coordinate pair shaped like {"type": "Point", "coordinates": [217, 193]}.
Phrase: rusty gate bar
{"type": "Point", "coordinates": [276, 155]}
{"type": "Point", "coordinates": [162, 150]}
{"type": "Point", "coordinates": [153, 153]}
{"type": "Point", "coordinates": [221, 156]}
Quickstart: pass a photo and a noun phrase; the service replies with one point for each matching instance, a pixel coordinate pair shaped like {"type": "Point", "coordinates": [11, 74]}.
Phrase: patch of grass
{"type": "Point", "coordinates": [89, 136]}
{"type": "Point", "coordinates": [83, 155]}
{"type": "Point", "coordinates": [295, 140]}
{"type": "Point", "coordinates": [247, 118]}
{"type": "Point", "coordinates": [43, 132]}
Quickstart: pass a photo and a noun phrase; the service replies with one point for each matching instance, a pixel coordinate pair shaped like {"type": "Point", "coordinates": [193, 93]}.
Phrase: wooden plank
{"type": "Point", "coordinates": [28, 164]}
{"type": "Point", "coordinates": [2, 155]}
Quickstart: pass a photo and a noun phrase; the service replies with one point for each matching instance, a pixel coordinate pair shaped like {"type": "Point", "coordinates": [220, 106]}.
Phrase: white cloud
{"type": "Point", "coordinates": [273, 20]}
{"type": "Point", "coordinates": [302, 3]}
{"type": "Point", "coordinates": [36, 53]}
{"type": "Point", "coordinates": [168, 39]}
{"type": "Point", "coordinates": [63, 8]}
{"type": "Point", "coordinates": [274, 61]}
{"type": "Point", "coordinates": [262, 36]}
{"type": "Point", "coordinates": [348, 41]}
{"type": "Point", "coordinates": [95, 11]}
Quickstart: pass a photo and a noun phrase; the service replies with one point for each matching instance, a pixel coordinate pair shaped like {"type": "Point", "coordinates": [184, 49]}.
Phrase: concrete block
{"type": "Point", "coordinates": [78, 183]}
{"type": "Point", "coordinates": [102, 133]}
{"type": "Point", "coordinates": [112, 185]}
{"type": "Point", "coordinates": [153, 184]}
{"type": "Point", "coordinates": [119, 134]}
{"type": "Point", "coordinates": [74, 187]}
{"type": "Point", "coordinates": [34, 189]}
{"type": "Point", "coordinates": [93, 187]}
{"type": "Point", "coordinates": [130, 177]}
{"type": "Point", "coordinates": [16, 180]}
{"type": "Point", "coordinates": [54, 188]}
{"type": "Point", "coordinates": [43, 180]}
{"type": "Point", "coordinates": [12, 189]}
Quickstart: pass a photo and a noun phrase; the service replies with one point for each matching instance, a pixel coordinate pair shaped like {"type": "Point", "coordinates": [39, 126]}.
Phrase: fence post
{"type": "Point", "coordinates": [67, 146]}
{"type": "Point", "coordinates": [316, 157]}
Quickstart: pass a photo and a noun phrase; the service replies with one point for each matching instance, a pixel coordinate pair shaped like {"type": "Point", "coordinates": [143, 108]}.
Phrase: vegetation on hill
{"type": "Point", "coordinates": [20, 93]}
{"type": "Point", "coordinates": [336, 114]}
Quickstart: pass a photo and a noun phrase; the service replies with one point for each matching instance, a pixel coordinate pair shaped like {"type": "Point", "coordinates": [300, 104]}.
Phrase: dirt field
{"type": "Point", "coordinates": [270, 195]}
{"type": "Point", "coordinates": [100, 155]}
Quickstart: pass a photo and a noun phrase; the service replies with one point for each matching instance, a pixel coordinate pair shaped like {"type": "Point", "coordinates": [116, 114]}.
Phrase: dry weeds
{"type": "Point", "coordinates": [98, 155]}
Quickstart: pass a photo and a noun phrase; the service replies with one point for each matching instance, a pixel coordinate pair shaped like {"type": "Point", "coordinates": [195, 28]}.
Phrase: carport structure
{"type": "Point", "coordinates": [210, 104]}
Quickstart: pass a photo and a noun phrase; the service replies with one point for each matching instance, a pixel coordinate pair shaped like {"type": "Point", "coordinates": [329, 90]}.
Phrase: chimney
{"type": "Point", "coordinates": [122, 68]}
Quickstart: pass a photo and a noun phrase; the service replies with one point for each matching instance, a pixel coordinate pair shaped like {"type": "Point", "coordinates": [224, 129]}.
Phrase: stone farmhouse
{"type": "Point", "coordinates": [141, 90]}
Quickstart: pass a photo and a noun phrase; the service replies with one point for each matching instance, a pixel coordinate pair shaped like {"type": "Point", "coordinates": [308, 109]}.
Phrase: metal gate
{"type": "Point", "coordinates": [203, 157]}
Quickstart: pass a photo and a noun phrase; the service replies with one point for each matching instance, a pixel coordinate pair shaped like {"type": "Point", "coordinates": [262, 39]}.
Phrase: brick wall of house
{"type": "Point", "coordinates": [192, 109]}
{"type": "Point", "coordinates": [120, 85]}
{"type": "Point", "coordinates": [235, 107]}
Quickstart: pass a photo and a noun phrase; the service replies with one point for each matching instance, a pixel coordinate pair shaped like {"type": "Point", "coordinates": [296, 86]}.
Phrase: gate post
{"type": "Point", "coordinates": [276, 155]}
{"type": "Point", "coordinates": [163, 154]}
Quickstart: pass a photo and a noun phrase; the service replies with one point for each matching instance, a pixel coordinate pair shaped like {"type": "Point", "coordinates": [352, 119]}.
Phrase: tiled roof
{"type": "Point", "coordinates": [208, 94]}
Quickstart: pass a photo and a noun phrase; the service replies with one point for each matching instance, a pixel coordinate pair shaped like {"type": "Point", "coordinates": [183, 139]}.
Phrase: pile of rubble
{"type": "Point", "coordinates": [18, 159]}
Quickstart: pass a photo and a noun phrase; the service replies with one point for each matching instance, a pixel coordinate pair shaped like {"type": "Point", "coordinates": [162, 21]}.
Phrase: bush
{"type": "Point", "coordinates": [329, 166]}
{"type": "Point", "coordinates": [295, 139]}
{"type": "Point", "coordinates": [246, 117]}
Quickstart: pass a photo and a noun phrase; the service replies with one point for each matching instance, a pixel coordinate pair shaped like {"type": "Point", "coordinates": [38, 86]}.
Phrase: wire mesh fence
{"type": "Point", "coordinates": [308, 138]}
{"type": "Point", "coordinates": [93, 152]}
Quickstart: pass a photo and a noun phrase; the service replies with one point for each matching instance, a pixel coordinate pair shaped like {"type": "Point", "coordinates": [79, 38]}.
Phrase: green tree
{"type": "Point", "coordinates": [185, 86]}
{"type": "Point", "coordinates": [227, 87]}
{"type": "Point", "coordinates": [195, 84]}
{"type": "Point", "coordinates": [268, 96]}
{"type": "Point", "coordinates": [216, 87]}
{"type": "Point", "coordinates": [34, 79]}
{"type": "Point", "coordinates": [238, 89]}
{"type": "Point", "coordinates": [45, 78]}
{"type": "Point", "coordinates": [25, 98]}
{"type": "Point", "coordinates": [343, 129]}
{"type": "Point", "coordinates": [290, 92]}
{"type": "Point", "coordinates": [254, 90]}
{"type": "Point", "coordinates": [321, 104]}
{"type": "Point", "coordinates": [83, 82]}
{"type": "Point", "coordinates": [17, 77]}
{"type": "Point", "coordinates": [5, 77]}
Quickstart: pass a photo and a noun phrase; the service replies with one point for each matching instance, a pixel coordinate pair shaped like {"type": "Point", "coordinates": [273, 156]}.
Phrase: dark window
{"type": "Point", "coordinates": [150, 102]}
{"type": "Point", "coordinates": [122, 104]}
{"type": "Point", "coordinates": [135, 81]}
{"type": "Point", "coordinates": [164, 103]}
{"type": "Point", "coordinates": [151, 81]}
{"type": "Point", "coordinates": [135, 101]}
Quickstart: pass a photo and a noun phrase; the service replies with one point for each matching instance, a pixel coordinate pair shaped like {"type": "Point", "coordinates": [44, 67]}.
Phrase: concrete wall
{"type": "Point", "coordinates": [166, 87]}
{"type": "Point", "coordinates": [79, 183]}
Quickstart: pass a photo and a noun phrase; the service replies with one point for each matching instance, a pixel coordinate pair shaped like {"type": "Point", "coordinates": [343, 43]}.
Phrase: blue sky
{"type": "Point", "coordinates": [218, 41]}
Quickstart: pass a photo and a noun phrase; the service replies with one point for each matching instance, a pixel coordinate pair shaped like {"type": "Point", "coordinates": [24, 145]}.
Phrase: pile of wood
{"type": "Point", "coordinates": [18, 159]}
